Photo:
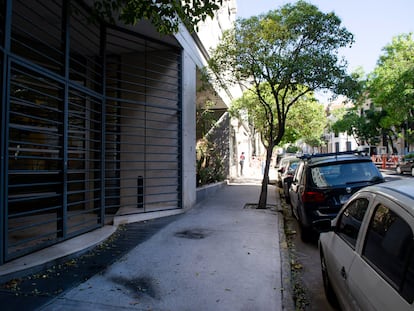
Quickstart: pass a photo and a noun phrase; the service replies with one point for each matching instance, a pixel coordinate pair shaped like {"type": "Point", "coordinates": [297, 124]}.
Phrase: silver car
{"type": "Point", "coordinates": [406, 165]}
{"type": "Point", "coordinates": [367, 251]}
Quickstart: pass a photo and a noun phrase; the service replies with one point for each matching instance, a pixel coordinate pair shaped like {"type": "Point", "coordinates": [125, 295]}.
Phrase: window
{"type": "Point", "coordinates": [389, 250]}
{"type": "Point", "coordinates": [350, 220]}
{"type": "Point", "coordinates": [298, 173]}
{"type": "Point", "coordinates": [337, 174]}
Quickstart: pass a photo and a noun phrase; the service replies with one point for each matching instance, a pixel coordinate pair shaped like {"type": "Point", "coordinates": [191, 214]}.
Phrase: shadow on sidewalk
{"type": "Point", "coordinates": [34, 290]}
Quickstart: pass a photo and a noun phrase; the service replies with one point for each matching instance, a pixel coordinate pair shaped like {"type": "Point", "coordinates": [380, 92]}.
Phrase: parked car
{"type": "Point", "coordinates": [287, 177]}
{"type": "Point", "coordinates": [367, 251]}
{"type": "Point", "coordinates": [406, 165]}
{"type": "Point", "coordinates": [324, 182]}
{"type": "Point", "coordinates": [281, 168]}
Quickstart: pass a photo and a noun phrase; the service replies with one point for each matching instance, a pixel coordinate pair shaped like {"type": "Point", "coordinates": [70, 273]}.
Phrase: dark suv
{"type": "Point", "coordinates": [324, 182]}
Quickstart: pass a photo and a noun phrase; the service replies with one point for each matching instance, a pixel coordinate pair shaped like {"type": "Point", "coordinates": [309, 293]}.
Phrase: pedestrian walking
{"type": "Point", "coordinates": [242, 158]}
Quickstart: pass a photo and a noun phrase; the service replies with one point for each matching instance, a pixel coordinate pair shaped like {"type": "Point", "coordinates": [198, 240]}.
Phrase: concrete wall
{"type": "Point", "coordinates": [189, 130]}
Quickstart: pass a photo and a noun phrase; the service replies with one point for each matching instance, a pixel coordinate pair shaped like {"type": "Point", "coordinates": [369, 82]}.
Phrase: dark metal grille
{"type": "Point", "coordinates": [142, 125]}
{"type": "Point", "coordinates": [85, 65]}
{"type": "Point", "coordinates": [34, 160]}
{"type": "Point", "coordinates": [84, 163]}
{"type": "Point", "coordinates": [2, 22]}
{"type": "Point", "coordinates": [89, 130]}
{"type": "Point", "coordinates": [37, 33]}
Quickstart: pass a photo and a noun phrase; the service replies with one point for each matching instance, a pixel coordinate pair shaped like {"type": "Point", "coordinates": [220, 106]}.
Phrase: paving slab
{"type": "Point", "coordinates": [220, 255]}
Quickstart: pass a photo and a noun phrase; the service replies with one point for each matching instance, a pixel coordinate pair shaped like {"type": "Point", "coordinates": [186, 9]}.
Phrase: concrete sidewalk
{"type": "Point", "coordinates": [220, 255]}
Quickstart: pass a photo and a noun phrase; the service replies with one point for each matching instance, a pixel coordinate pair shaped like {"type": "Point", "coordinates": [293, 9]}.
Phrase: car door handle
{"type": "Point", "coordinates": [343, 273]}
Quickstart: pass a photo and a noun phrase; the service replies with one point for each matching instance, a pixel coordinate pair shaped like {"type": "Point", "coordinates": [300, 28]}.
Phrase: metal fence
{"type": "Point", "coordinates": [91, 124]}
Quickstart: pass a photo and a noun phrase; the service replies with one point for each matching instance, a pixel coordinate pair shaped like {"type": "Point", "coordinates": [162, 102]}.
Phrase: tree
{"type": "Point", "coordinates": [391, 85]}
{"type": "Point", "coordinates": [295, 51]}
{"type": "Point", "coordinates": [365, 128]}
{"type": "Point", "coordinates": [165, 15]}
{"type": "Point", "coordinates": [306, 120]}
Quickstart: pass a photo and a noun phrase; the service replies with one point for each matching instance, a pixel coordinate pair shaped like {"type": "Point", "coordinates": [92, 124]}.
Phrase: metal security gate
{"type": "Point", "coordinates": [91, 124]}
{"type": "Point", "coordinates": [143, 125]}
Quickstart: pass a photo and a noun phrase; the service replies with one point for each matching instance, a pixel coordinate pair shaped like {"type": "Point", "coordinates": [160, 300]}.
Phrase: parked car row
{"type": "Point", "coordinates": [365, 227]}
{"type": "Point", "coordinates": [283, 167]}
{"type": "Point", "coordinates": [286, 171]}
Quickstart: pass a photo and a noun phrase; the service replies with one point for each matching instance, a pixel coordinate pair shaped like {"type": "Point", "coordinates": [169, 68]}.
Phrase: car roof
{"type": "Point", "coordinates": [401, 191]}
{"type": "Point", "coordinates": [322, 158]}
{"type": "Point", "coordinates": [288, 159]}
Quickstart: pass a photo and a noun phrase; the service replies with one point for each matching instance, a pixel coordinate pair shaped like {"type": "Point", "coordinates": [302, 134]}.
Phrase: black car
{"type": "Point", "coordinates": [324, 182]}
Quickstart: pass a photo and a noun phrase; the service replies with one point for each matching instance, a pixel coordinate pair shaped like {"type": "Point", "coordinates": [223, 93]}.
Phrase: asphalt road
{"type": "Point", "coordinates": [307, 255]}
{"type": "Point", "coordinates": [308, 290]}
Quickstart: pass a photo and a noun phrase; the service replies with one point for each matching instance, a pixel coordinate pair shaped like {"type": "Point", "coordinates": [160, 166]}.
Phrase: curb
{"type": "Point", "coordinates": [286, 291]}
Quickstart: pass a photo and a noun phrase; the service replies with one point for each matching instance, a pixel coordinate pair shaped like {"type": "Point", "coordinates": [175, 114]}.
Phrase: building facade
{"type": "Point", "coordinates": [97, 123]}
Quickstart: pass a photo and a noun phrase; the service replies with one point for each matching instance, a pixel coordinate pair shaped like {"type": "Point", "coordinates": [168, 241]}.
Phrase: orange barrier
{"type": "Point", "coordinates": [385, 161]}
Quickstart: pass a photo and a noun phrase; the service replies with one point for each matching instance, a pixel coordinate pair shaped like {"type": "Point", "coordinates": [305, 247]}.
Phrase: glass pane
{"type": "Point", "coordinates": [351, 219]}
{"type": "Point", "coordinates": [342, 174]}
{"type": "Point", "coordinates": [388, 242]}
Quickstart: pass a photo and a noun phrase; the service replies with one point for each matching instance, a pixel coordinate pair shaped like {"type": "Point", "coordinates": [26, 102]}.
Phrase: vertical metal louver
{"type": "Point", "coordinates": [91, 125]}
{"type": "Point", "coordinates": [143, 125]}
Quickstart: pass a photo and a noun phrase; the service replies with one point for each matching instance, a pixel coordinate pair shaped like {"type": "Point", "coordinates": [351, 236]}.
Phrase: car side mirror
{"type": "Point", "coordinates": [322, 225]}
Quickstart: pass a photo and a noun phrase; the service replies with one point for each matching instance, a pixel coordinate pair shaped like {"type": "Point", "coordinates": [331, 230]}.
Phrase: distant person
{"type": "Point", "coordinates": [242, 158]}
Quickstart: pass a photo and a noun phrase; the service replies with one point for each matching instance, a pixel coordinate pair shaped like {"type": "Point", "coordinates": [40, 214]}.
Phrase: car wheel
{"type": "Point", "coordinates": [306, 234]}
{"type": "Point", "coordinates": [287, 198]}
{"type": "Point", "coordinates": [398, 170]}
{"type": "Point", "coordinates": [329, 292]}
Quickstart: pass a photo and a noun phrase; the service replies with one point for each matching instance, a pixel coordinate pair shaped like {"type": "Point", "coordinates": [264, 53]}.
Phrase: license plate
{"type": "Point", "coordinates": [344, 198]}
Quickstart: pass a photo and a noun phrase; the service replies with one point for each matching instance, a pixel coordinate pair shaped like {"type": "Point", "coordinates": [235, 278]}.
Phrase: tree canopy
{"type": "Point", "coordinates": [391, 84]}
{"type": "Point", "coordinates": [294, 46]}
{"type": "Point", "coordinates": [294, 50]}
{"type": "Point", "coordinates": [165, 15]}
{"type": "Point", "coordinates": [390, 91]}
{"type": "Point", "coordinates": [306, 120]}
{"type": "Point", "coordinates": [365, 128]}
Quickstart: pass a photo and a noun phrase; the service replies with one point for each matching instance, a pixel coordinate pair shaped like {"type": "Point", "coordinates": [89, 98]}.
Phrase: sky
{"type": "Point", "coordinates": [372, 22]}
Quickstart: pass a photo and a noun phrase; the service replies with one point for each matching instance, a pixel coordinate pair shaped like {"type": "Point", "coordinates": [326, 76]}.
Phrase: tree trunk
{"type": "Point", "coordinates": [263, 194]}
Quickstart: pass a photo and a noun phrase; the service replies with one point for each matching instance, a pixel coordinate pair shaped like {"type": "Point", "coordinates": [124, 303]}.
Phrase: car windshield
{"type": "Point", "coordinates": [344, 173]}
